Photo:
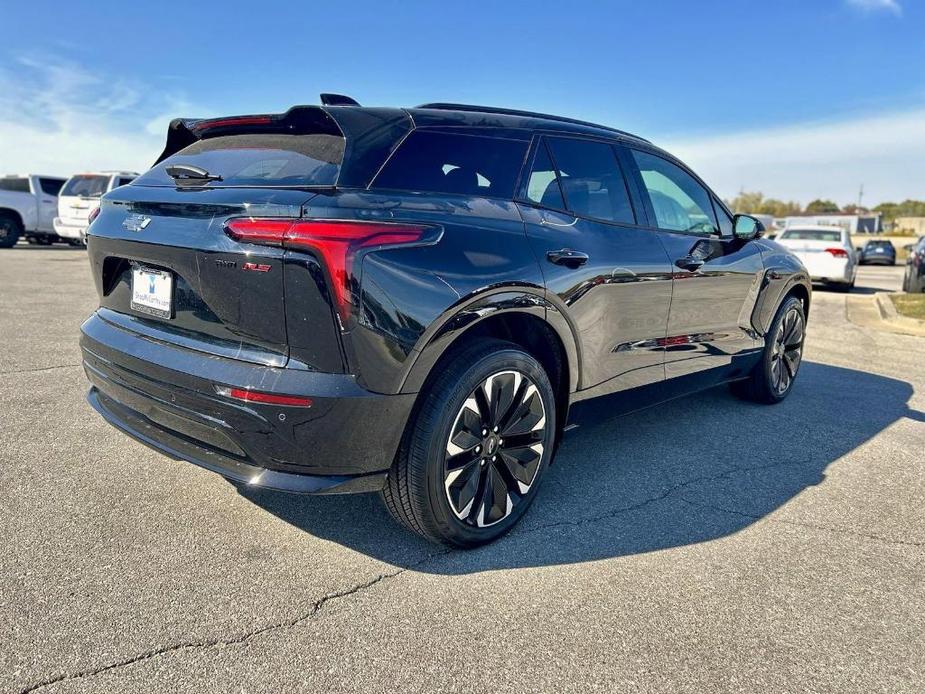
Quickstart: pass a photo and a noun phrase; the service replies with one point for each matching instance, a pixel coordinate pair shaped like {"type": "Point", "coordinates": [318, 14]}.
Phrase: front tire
{"type": "Point", "coordinates": [10, 231]}
{"type": "Point", "coordinates": [475, 451]}
{"type": "Point", "coordinates": [772, 378]}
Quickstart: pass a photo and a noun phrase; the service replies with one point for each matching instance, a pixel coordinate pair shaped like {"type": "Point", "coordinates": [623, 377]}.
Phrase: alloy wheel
{"type": "Point", "coordinates": [495, 449]}
{"type": "Point", "coordinates": [787, 351]}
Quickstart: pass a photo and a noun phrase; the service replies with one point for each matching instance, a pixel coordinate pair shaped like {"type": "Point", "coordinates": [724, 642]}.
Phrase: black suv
{"type": "Point", "coordinates": [417, 301]}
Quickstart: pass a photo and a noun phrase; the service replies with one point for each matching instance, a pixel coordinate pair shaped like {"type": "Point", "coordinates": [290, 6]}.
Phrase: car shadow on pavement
{"type": "Point", "coordinates": [688, 471]}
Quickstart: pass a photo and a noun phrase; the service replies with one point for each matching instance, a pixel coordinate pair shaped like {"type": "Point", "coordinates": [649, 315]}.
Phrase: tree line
{"type": "Point", "coordinates": [756, 203]}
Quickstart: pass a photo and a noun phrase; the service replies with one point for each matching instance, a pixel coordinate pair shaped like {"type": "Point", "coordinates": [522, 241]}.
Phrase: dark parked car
{"type": "Point", "coordinates": [418, 301]}
{"type": "Point", "coordinates": [877, 253]}
{"type": "Point", "coordinates": [914, 278]}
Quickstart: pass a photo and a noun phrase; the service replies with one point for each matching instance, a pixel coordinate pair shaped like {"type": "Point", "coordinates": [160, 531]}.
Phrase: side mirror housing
{"type": "Point", "coordinates": [746, 227]}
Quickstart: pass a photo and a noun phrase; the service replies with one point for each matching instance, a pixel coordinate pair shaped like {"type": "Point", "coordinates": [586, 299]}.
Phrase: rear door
{"type": "Point", "coordinates": [716, 276]}
{"type": "Point", "coordinates": [610, 274]}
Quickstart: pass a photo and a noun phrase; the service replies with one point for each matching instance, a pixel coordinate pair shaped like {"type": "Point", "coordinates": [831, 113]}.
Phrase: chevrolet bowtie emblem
{"type": "Point", "coordinates": [135, 222]}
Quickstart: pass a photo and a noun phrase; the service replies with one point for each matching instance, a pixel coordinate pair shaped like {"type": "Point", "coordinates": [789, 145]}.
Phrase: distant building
{"type": "Point", "coordinates": [855, 223]}
{"type": "Point", "coordinates": [914, 224]}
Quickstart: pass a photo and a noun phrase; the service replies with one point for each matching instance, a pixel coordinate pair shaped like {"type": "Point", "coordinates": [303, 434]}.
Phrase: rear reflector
{"type": "Point", "coordinates": [263, 398]}
{"type": "Point", "coordinates": [336, 242]}
{"type": "Point", "coordinates": [837, 252]}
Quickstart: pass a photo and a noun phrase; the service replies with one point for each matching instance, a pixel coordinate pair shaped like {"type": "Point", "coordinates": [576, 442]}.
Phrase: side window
{"type": "Point", "coordinates": [680, 202]}
{"type": "Point", "coordinates": [543, 185]}
{"type": "Point", "coordinates": [14, 185]}
{"type": "Point", "coordinates": [592, 182]}
{"type": "Point", "coordinates": [725, 221]}
{"type": "Point", "coordinates": [123, 181]}
{"type": "Point", "coordinates": [51, 186]}
{"type": "Point", "coordinates": [453, 163]}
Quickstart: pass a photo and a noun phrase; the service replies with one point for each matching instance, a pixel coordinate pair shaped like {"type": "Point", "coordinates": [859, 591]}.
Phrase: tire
{"type": "Point", "coordinates": [766, 383]}
{"type": "Point", "coordinates": [10, 230]}
{"type": "Point", "coordinates": [455, 480]}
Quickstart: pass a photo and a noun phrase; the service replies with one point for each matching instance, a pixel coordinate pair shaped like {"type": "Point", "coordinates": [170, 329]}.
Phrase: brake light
{"type": "Point", "coordinates": [94, 213]}
{"type": "Point", "coordinates": [837, 252]}
{"type": "Point", "coordinates": [336, 242]}
{"type": "Point", "coordinates": [227, 122]}
{"type": "Point", "coordinates": [246, 395]}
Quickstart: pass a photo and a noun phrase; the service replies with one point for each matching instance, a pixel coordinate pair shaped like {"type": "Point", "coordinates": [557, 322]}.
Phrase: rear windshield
{"type": "Point", "coordinates": [879, 244]}
{"type": "Point", "coordinates": [454, 163]}
{"type": "Point", "coordinates": [86, 185]}
{"type": "Point", "coordinates": [811, 235]}
{"type": "Point", "coordinates": [15, 185]}
{"type": "Point", "coordinates": [258, 159]}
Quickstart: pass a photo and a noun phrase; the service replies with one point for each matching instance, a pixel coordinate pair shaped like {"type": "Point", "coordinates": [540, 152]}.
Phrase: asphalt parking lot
{"type": "Point", "coordinates": [706, 545]}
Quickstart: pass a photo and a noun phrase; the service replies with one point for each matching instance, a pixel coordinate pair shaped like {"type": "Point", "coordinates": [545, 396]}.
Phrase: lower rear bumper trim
{"type": "Point", "coordinates": [136, 426]}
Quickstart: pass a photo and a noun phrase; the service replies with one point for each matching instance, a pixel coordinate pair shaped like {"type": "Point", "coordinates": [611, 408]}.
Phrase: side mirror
{"type": "Point", "coordinates": [746, 227]}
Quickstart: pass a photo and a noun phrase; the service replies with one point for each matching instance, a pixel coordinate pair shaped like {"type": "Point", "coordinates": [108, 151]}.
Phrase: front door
{"type": "Point", "coordinates": [717, 277]}
{"type": "Point", "coordinates": [611, 275]}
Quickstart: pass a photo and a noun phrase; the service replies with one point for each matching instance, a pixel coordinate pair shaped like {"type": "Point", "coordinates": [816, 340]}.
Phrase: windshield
{"type": "Point", "coordinates": [258, 160]}
{"type": "Point", "coordinates": [85, 185]}
{"type": "Point", "coordinates": [811, 235]}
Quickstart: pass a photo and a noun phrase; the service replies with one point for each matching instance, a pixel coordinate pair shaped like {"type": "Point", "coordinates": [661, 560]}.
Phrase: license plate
{"type": "Point", "coordinates": [152, 292]}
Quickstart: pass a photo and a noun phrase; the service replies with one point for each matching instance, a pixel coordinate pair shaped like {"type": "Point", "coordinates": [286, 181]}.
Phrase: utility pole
{"type": "Point", "coordinates": [860, 195]}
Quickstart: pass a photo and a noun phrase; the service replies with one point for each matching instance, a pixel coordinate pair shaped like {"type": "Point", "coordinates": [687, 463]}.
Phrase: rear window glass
{"type": "Point", "coordinates": [879, 244]}
{"type": "Point", "coordinates": [259, 159]}
{"type": "Point", "coordinates": [51, 186]}
{"type": "Point", "coordinates": [454, 163]}
{"type": "Point", "coordinates": [15, 185]}
{"type": "Point", "coordinates": [86, 185]}
{"type": "Point", "coordinates": [811, 235]}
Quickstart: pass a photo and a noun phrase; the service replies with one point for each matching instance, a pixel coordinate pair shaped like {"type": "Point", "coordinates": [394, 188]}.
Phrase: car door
{"type": "Point", "coordinates": [609, 275]}
{"type": "Point", "coordinates": [717, 277]}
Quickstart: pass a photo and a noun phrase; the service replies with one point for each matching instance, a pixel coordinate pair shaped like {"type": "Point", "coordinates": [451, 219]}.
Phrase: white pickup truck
{"type": "Point", "coordinates": [80, 196]}
{"type": "Point", "coordinates": [28, 204]}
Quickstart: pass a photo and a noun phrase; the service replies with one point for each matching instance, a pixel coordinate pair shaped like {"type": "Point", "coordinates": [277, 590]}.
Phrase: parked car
{"type": "Point", "coordinates": [877, 252]}
{"type": "Point", "coordinates": [27, 208]}
{"type": "Point", "coordinates": [914, 277]}
{"type": "Point", "coordinates": [416, 301]}
{"type": "Point", "coordinates": [826, 252]}
{"type": "Point", "coordinates": [80, 196]}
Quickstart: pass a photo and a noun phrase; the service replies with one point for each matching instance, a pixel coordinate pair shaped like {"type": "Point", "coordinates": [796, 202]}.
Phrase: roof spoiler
{"type": "Point", "coordinates": [182, 132]}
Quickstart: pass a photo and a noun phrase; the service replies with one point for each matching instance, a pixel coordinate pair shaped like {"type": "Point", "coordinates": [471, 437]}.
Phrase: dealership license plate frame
{"type": "Point", "coordinates": [158, 302]}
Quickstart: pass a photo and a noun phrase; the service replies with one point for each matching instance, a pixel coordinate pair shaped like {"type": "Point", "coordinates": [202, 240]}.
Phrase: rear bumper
{"type": "Point", "coordinates": [878, 260]}
{"type": "Point", "coordinates": [824, 268]}
{"type": "Point", "coordinates": [164, 396]}
{"type": "Point", "coordinates": [69, 230]}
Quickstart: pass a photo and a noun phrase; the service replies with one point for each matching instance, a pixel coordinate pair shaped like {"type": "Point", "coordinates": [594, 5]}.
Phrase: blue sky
{"type": "Point", "coordinates": [796, 99]}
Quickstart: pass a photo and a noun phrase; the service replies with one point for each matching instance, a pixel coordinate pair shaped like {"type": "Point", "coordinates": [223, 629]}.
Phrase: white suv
{"type": "Point", "coordinates": [80, 196]}
{"type": "Point", "coordinates": [27, 206]}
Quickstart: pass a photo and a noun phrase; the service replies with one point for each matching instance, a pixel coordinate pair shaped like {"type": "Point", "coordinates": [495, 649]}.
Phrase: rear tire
{"type": "Point", "coordinates": [772, 378]}
{"type": "Point", "coordinates": [456, 480]}
{"type": "Point", "coordinates": [10, 230]}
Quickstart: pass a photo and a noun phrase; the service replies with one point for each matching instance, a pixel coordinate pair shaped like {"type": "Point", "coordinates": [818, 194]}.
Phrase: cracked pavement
{"type": "Point", "coordinates": [704, 545]}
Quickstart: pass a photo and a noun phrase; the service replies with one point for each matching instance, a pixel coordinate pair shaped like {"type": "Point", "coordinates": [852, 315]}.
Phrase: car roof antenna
{"type": "Point", "coordinates": [338, 100]}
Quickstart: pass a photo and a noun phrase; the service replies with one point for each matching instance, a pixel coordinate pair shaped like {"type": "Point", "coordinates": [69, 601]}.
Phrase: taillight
{"type": "Point", "coordinates": [246, 395]}
{"type": "Point", "coordinates": [837, 252]}
{"type": "Point", "coordinates": [94, 213]}
{"type": "Point", "coordinates": [336, 242]}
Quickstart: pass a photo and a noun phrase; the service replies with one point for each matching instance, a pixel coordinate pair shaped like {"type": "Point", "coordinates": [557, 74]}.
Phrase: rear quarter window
{"type": "Point", "coordinates": [454, 163]}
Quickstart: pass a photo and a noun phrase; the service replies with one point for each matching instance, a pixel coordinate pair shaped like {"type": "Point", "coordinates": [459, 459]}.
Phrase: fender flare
{"type": "Point", "coordinates": [460, 318]}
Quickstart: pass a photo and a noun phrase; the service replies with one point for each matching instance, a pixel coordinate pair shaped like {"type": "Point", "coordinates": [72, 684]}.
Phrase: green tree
{"type": "Point", "coordinates": [906, 208]}
{"type": "Point", "coordinates": [822, 207]}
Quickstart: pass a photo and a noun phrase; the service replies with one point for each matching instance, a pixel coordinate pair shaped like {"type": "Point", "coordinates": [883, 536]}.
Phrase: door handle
{"type": "Point", "coordinates": [689, 262]}
{"type": "Point", "coordinates": [567, 257]}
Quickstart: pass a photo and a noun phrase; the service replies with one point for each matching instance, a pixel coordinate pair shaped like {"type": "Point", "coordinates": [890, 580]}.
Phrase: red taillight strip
{"type": "Point", "coordinates": [225, 122]}
{"type": "Point", "coordinates": [837, 252]}
{"type": "Point", "coordinates": [263, 398]}
{"type": "Point", "coordinates": [336, 241]}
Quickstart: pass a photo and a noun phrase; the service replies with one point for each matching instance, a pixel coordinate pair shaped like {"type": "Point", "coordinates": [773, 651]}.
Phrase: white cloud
{"type": "Point", "coordinates": [59, 118]}
{"type": "Point", "coordinates": [877, 5]}
{"type": "Point", "coordinates": [825, 159]}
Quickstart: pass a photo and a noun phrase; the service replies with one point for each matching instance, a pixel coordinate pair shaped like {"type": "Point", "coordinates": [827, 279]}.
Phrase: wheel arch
{"type": "Point", "coordinates": [11, 212]}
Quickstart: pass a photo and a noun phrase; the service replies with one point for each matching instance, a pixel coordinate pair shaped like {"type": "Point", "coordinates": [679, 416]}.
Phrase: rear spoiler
{"type": "Point", "coordinates": [182, 132]}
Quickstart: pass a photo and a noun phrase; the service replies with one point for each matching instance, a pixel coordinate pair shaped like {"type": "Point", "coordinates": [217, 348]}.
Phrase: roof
{"type": "Point", "coordinates": [514, 118]}
{"type": "Point", "coordinates": [814, 227]}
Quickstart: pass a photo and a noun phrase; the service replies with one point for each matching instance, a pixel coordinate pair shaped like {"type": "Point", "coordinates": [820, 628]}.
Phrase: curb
{"type": "Point", "coordinates": [889, 314]}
